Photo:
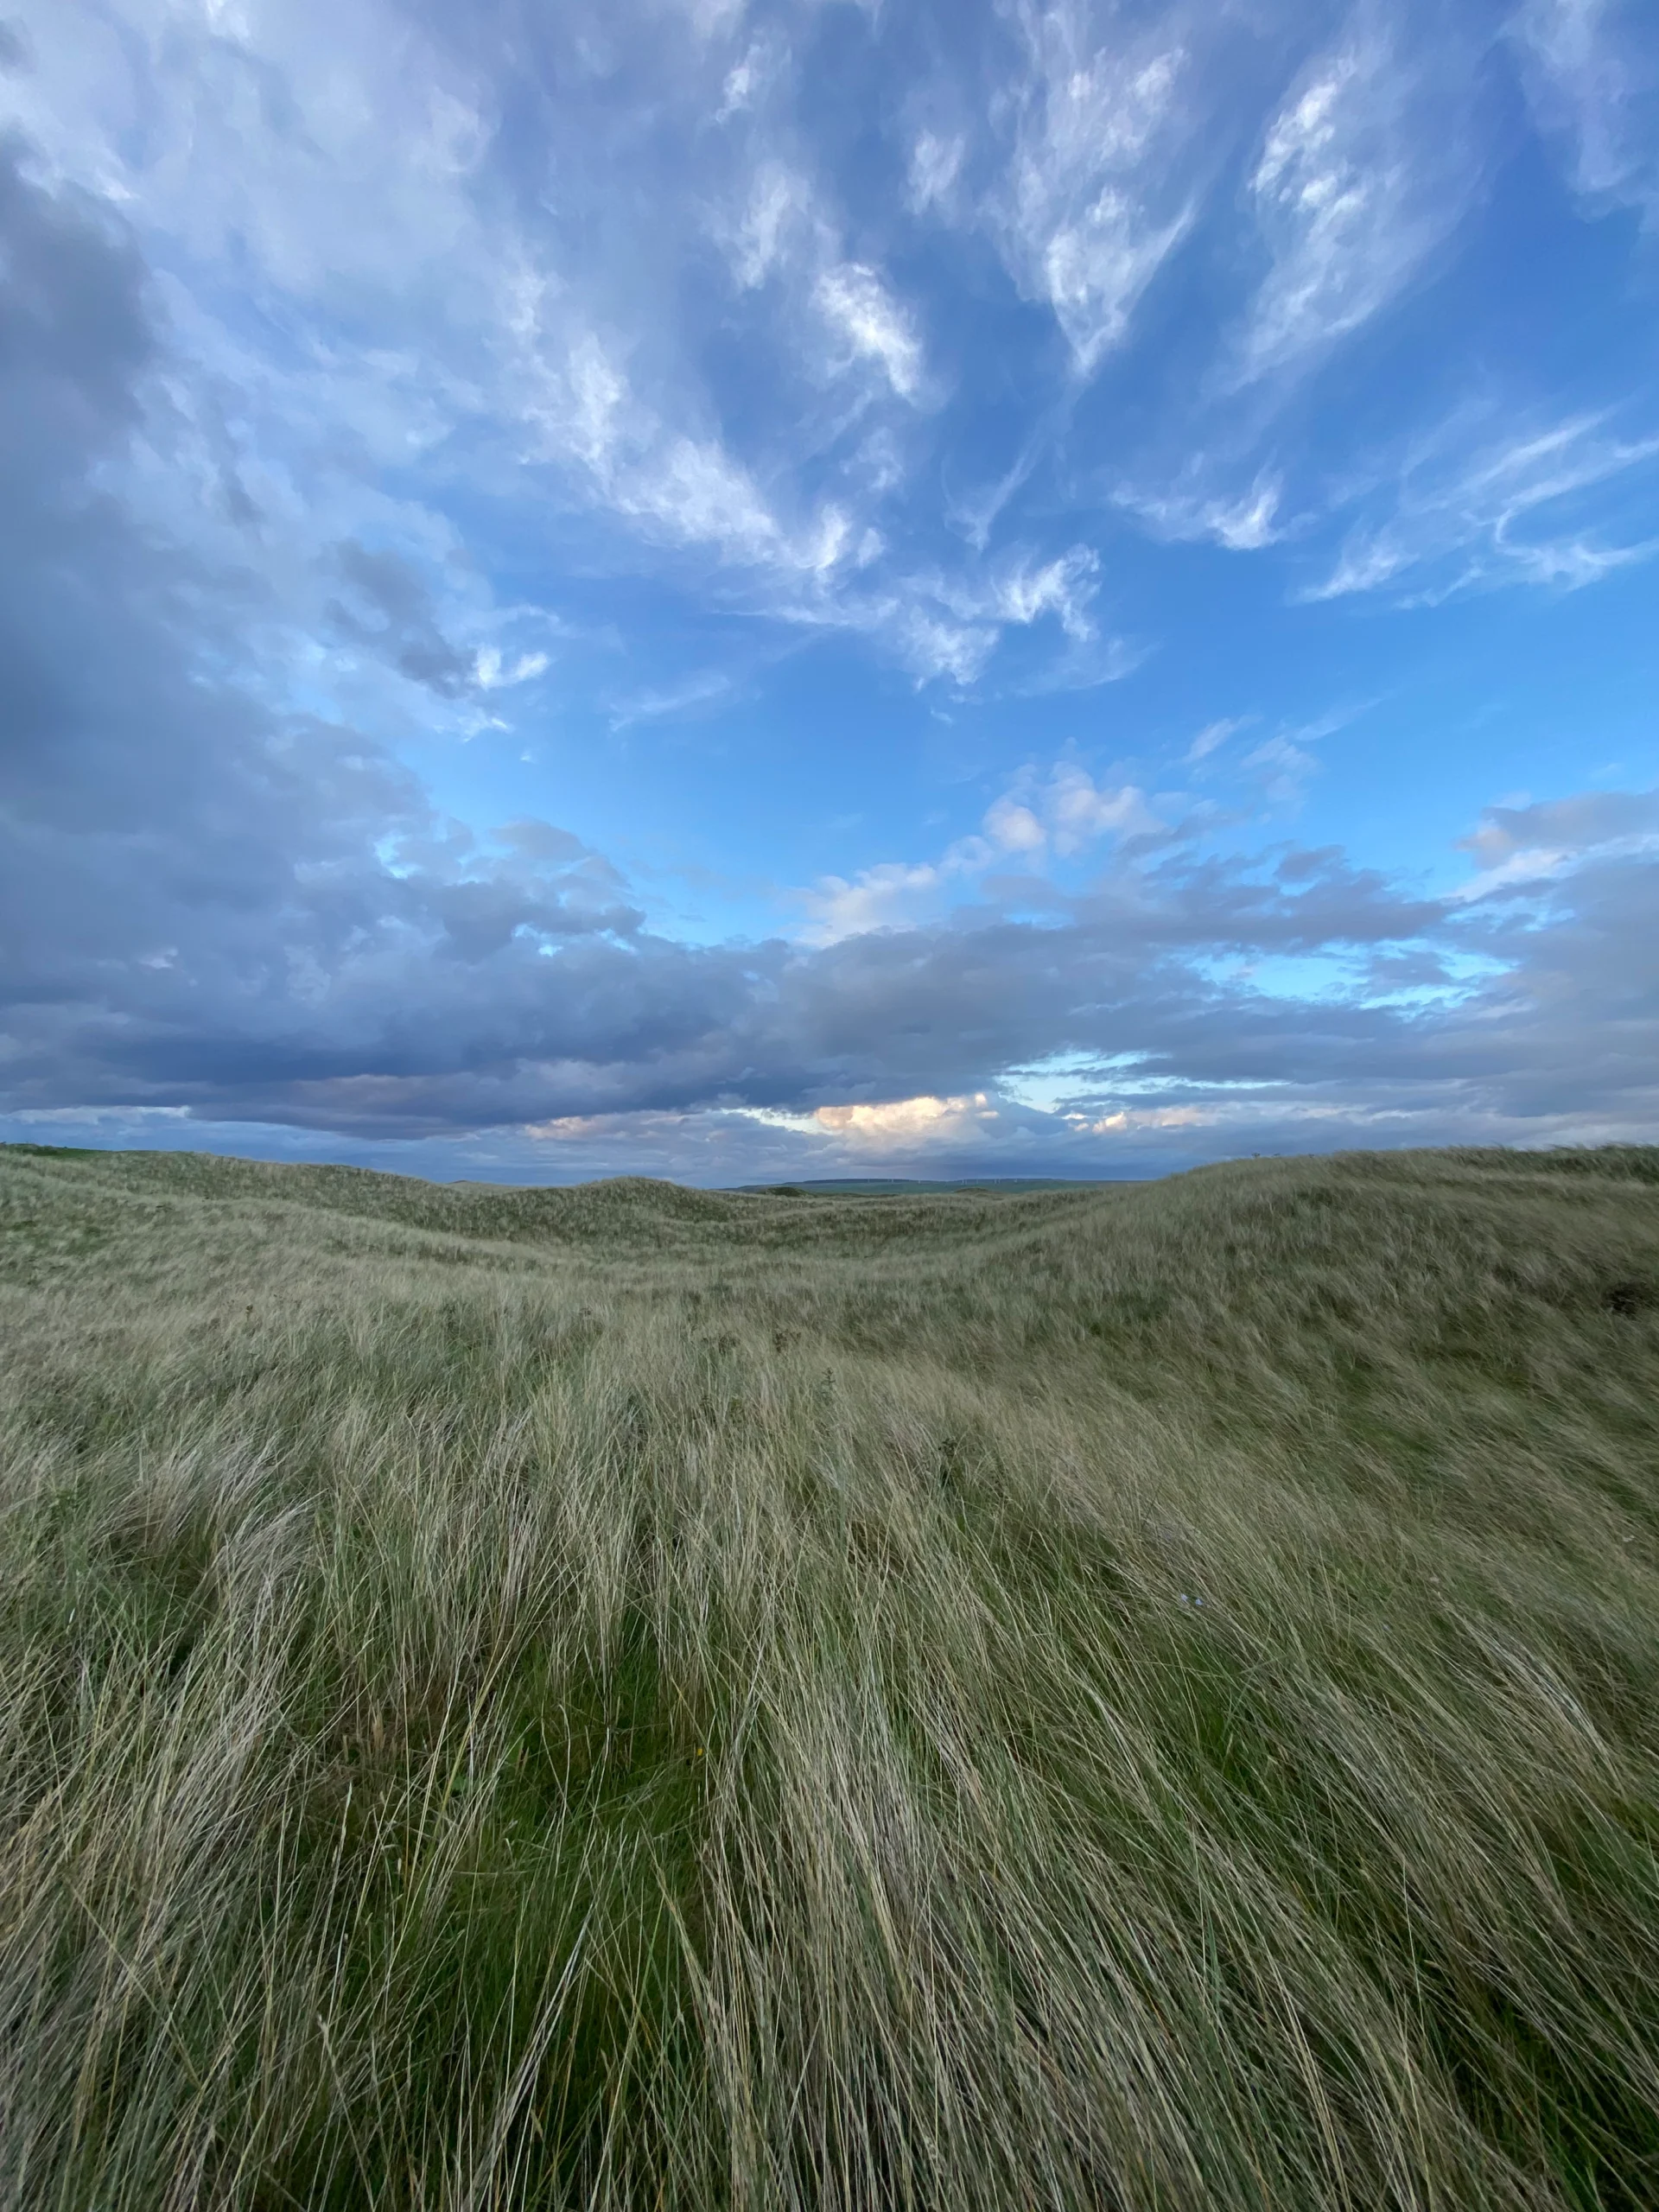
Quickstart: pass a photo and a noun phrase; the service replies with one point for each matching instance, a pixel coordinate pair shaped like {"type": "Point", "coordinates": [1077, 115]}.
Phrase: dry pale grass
{"type": "Point", "coordinates": [1136, 1698]}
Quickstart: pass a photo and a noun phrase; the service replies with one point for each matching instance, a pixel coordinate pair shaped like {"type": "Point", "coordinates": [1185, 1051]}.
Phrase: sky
{"type": "Point", "coordinates": [754, 590]}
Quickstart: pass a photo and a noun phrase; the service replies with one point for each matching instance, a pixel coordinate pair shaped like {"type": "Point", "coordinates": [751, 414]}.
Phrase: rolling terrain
{"type": "Point", "coordinates": [1133, 1696]}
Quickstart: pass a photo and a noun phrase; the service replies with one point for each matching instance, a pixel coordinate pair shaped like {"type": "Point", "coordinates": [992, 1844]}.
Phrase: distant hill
{"type": "Point", "coordinates": [877, 1187]}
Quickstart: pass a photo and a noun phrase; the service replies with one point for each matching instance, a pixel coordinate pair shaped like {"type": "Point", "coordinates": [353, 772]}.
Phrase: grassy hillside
{"type": "Point", "coordinates": [1134, 1697]}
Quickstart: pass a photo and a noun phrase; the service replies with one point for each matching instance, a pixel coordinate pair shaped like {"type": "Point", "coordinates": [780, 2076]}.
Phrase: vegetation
{"type": "Point", "coordinates": [1134, 1697]}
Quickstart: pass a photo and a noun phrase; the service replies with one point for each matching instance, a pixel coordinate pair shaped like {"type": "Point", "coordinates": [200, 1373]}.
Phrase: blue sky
{"type": "Point", "coordinates": [742, 588]}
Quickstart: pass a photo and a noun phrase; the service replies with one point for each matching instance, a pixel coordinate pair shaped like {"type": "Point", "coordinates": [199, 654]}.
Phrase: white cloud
{"type": "Point", "coordinates": [1064, 813]}
{"type": "Point", "coordinates": [1152, 1117]}
{"type": "Point", "coordinates": [1094, 201]}
{"type": "Point", "coordinates": [786, 235]}
{"type": "Point", "coordinates": [497, 673]}
{"type": "Point", "coordinates": [1283, 763]}
{"type": "Point", "coordinates": [935, 646]}
{"type": "Point", "coordinates": [702, 689]}
{"type": "Point", "coordinates": [1359, 177]}
{"type": "Point", "coordinates": [511, 332]}
{"type": "Point", "coordinates": [1063, 587]}
{"type": "Point", "coordinates": [935, 166]}
{"type": "Point", "coordinates": [949, 626]}
{"type": "Point", "coordinates": [883, 896]}
{"type": "Point", "coordinates": [566, 352]}
{"type": "Point", "coordinates": [1472, 508]}
{"type": "Point", "coordinates": [595, 423]}
{"type": "Point", "coordinates": [714, 19]}
{"type": "Point", "coordinates": [1214, 735]}
{"type": "Point", "coordinates": [1248, 523]}
{"type": "Point", "coordinates": [1015, 827]}
{"type": "Point", "coordinates": [859, 306]}
{"type": "Point", "coordinates": [1079, 811]}
{"type": "Point", "coordinates": [1245, 523]}
{"type": "Point", "coordinates": [749, 81]}
{"type": "Point", "coordinates": [1035, 822]}
{"type": "Point", "coordinates": [703, 497]}
{"type": "Point", "coordinates": [1284, 767]}
{"type": "Point", "coordinates": [780, 216]}
{"type": "Point", "coordinates": [683, 490]}
{"type": "Point", "coordinates": [291, 110]}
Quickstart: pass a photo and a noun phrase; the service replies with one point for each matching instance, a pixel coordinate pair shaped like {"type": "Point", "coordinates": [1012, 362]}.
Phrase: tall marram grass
{"type": "Point", "coordinates": [1146, 1698]}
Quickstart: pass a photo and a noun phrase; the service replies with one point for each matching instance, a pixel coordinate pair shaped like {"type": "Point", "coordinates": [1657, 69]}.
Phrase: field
{"type": "Point", "coordinates": [1135, 1698]}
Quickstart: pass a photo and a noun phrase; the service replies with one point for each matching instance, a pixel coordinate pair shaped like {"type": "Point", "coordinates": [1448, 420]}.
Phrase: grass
{"type": "Point", "coordinates": [1134, 1697]}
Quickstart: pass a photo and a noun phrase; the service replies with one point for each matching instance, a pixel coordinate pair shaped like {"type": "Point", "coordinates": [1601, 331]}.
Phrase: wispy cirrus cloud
{"type": "Point", "coordinates": [1099, 187]}
{"type": "Point", "coordinates": [680, 486]}
{"type": "Point", "coordinates": [1214, 735]}
{"type": "Point", "coordinates": [1362, 171]}
{"type": "Point", "coordinates": [1475, 506]}
{"type": "Point", "coordinates": [1592, 71]}
{"type": "Point", "coordinates": [476, 325]}
{"type": "Point", "coordinates": [1193, 508]}
{"type": "Point", "coordinates": [507, 338]}
{"type": "Point", "coordinates": [847, 313]}
{"type": "Point", "coordinates": [863, 313]}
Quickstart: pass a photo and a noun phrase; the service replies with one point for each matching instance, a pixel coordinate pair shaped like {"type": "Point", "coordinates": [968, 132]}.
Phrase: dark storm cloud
{"type": "Point", "coordinates": [259, 917]}
{"type": "Point", "coordinates": [195, 893]}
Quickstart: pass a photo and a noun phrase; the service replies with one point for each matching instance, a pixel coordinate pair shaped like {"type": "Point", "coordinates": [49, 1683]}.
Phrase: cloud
{"type": "Point", "coordinates": [1534, 845]}
{"type": "Point", "coordinates": [1155, 1118]}
{"type": "Point", "coordinates": [683, 490]}
{"type": "Point", "coordinates": [1026, 590]}
{"type": "Point", "coordinates": [949, 625]}
{"type": "Point", "coordinates": [935, 643]}
{"type": "Point", "coordinates": [749, 80]}
{"type": "Point", "coordinates": [1037, 822]}
{"type": "Point", "coordinates": [1283, 766]}
{"type": "Point", "coordinates": [388, 606]}
{"type": "Point", "coordinates": [617, 301]}
{"type": "Point", "coordinates": [1014, 828]}
{"type": "Point", "coordinates": [859, 308]}
{"type": "Point", "coordinates": [935, 166]}
{"type": "Point", "coordinates": [907, 1122]}
{"type": "Point", "coordinates": [1079, 812]}
{"type": "Point", "coordinates": [1096, 197]}
{"type": "Point", "coordinates": [1243, 522]}
{"type": "Point", "coordinates": [1214, 735]}
{"type": "Point", "coordinates": [1471, 507]}
{"type": "Point", "coordinates": [171, 849]}
{"type": "Point", "coordinates": [877, 898]}
{"type": "Point", "coordinates": [780, 209]}
{"type": "Point", "coordinates": [1360, 175]}
{"type": "Point", "coordinates": [1591, 69]}
{"type": "Point", "coordinates": [786, 235]}
{"type": "Point", "coordinates": [698, 692]}
{"type": "Point", "coordinates": [467, 333]}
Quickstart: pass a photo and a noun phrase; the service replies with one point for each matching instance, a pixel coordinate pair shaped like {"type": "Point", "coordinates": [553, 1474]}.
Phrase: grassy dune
{"type": "Point", "coordinates": [1146, 1697]}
